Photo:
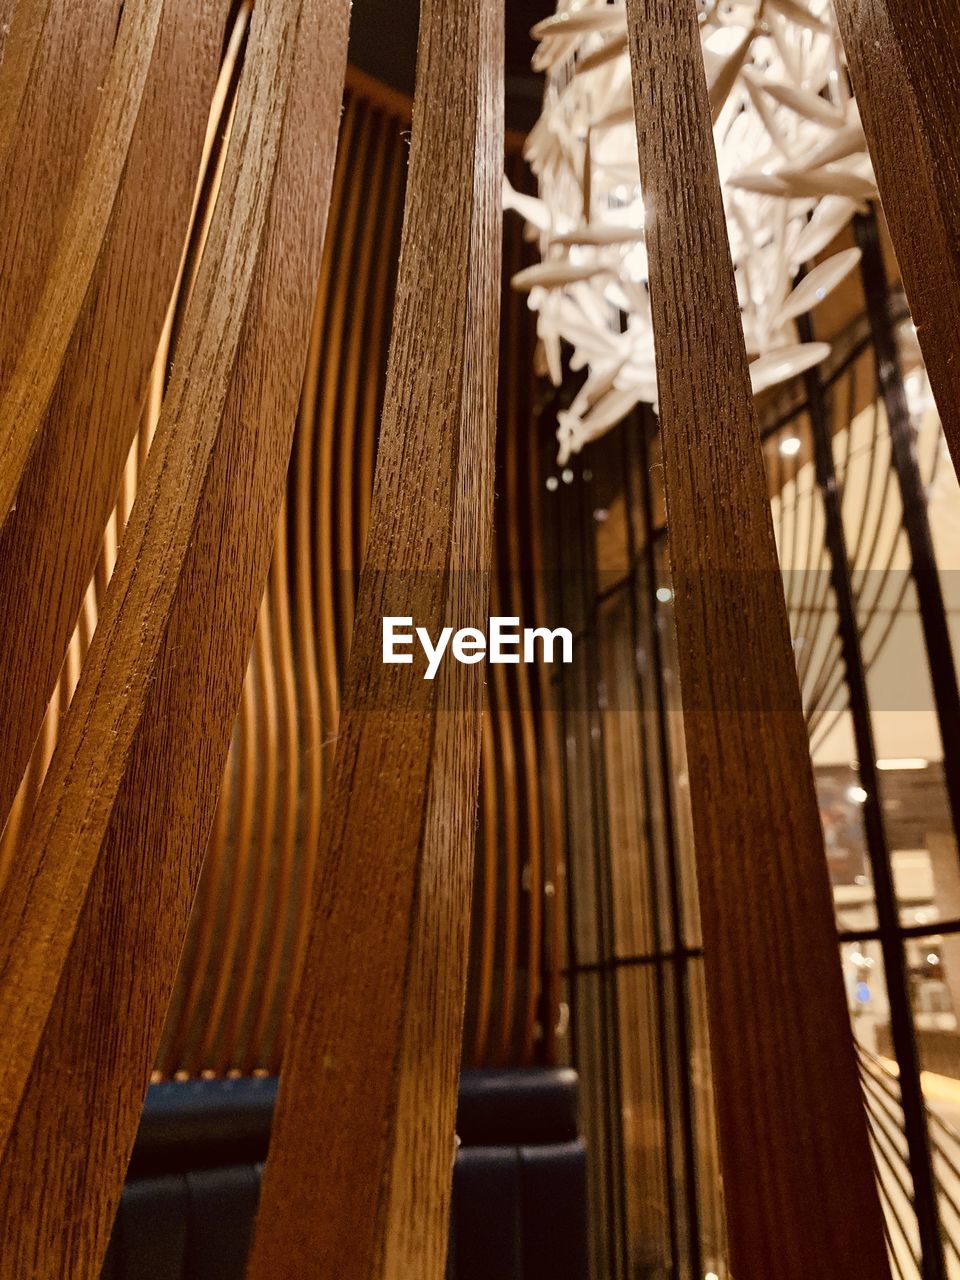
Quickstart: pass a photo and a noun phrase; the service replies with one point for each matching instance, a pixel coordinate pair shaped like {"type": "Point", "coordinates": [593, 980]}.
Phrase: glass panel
{"type": "Point", "coordinates": [840, 797]}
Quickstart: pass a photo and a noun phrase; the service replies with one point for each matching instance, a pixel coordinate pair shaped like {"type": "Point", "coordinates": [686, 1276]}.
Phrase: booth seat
{"type": "Point", "coordinates": [519, 1187]}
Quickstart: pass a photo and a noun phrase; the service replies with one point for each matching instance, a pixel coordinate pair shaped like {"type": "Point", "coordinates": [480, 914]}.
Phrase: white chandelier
{"type": "Point", "coordinates": [793, 168]}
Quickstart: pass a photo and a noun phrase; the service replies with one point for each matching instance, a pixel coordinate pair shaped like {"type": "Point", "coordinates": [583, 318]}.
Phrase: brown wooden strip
{"type": "Point", "coordinates": [93, 918]}
{"type": "Point", "coordinates": [511, 517]}
{"type": "Point", "coordinates": [375, 343]}
{"type": "Point", "coordinates": [234, 884]}
{"type": "Point", "coordinates": [383, 980]}
{"type": "Point", "coordinates": [486, 944]}
{"type": "Point", "coordinates": [308, 665]}
{"type": "Point", "coordinates": [33, 378]}
{"type": "Point", "coordinates": [21, 28]}
{"type": "Point", "coordinates": [329, 429]}
{"type": "Point", "coordinates": [72, 48]}
{"type": "Point", "coordinates": [230, 1052]}
{"type": "Point", "coordinates": [282, 912]}
{"type": "Point", "coordinates": [510, 827]}
{"type": "Point", "coordinates": [796, 1161]}
{"type": "Point", "coordinates": [49, 543]}
{"type": "Point", "coordinates": [551, 784]}
{"type": "Point", "coordinates": [905, 63]}
{"type": "Point", "coordinates": [353, 379]}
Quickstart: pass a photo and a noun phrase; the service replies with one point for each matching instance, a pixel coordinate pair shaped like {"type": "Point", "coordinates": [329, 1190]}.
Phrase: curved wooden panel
{"type": "Point", "coordinates": [390, 937]}
{"type": "Point", "coordinates": [92, 920]}
{"type": "Point", "coordinates": [21, 26]}
{"type": "Point", "coordinates": [88, 351]}
{"type": "Point", "coordinates": [354, 377]}
{"type": "Point", "coordinates": [30, 384]}
{"type": "Point", "coordinates": [329, 427]}
{"type": "Point", "coordinates": [905, 64]}
{"type": "Point", "coordinates": [759, 847]}
{"type": "Point", "coordinates": [59, 52]}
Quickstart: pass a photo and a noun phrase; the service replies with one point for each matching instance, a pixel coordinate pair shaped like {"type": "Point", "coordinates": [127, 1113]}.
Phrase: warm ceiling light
{"type": "Point", "coordinates": [793, 167]}
{"type": "Point", "coordinates": [907, 762]}
{"type": "Point", "coordinates": [790, 447]}
{"type": "Point", "coordinates": [857, 795]}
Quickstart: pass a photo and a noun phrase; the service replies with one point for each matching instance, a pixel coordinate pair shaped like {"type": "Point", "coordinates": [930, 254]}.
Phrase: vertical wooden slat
{"type": "Point", "coordinates": [88, 350]}
{"type": "Point", "coordinates": [305, 610]}
{"type": "Point", "coordinates": [796, 1160]}
{"type": "Point", "coordinates": [93, 916]}
{"type": "Point", "coordinates": [485, 938]}
{"type": "Point", "coordinates": [326, 480]}
{"type": "Point", "coordinates": [508, 792]}
{"type": "Point", "coordinates": [383, 979]}
{"type": "Point", "coordinates": [267, 1000]}
{"type": "Point", "coordinates": [904, 59]}
{"type": "Point", "coordinates": [356, 373]}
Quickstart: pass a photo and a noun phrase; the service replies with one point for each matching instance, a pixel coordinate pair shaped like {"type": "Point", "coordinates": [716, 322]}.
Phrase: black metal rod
{"type": "Point", "coordinates": [916, 523]}
{"type": "Point", "coordinates": [901, 1017]}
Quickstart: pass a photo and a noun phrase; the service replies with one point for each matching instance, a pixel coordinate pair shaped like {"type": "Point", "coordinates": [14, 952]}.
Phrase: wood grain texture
{"type": "Point", "coordinates": [796, 1161]}
{"type": "Point", "coordinates": [21, 25]}
{"type": "Point", "coordinates": [30, 385]}
{"type": "Point", "coordinates": [367, 1096]}
{"type": "Point", "coordinates": [65, 55]}
{"type": "Point", "coordinates": [82, 419]}
{"type": "Point", "coordinates": [93, 916]}
{"type": "Point", "coordinates": [904, 60]}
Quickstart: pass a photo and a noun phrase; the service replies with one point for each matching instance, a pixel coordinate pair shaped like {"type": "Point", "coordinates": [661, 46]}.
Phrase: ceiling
{"type": "Point", "coordinates": [383, 42]}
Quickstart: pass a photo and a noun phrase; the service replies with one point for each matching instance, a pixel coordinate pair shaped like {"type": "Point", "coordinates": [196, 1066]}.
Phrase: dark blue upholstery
{"type": "Point", "coordinates": [519, 1189]}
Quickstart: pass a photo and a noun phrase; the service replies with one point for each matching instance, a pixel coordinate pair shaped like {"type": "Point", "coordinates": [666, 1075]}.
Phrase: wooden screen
{"type": "Point", "coordinates": [342, 844]}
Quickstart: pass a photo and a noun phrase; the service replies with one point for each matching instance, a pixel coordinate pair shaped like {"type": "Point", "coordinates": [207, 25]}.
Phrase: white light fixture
{"type": "Point", "coordinates": [790, 447]}
{"type": "Point", "coordinates": [907, 762]}
{"type": "Point", "coordinates": [664, 595]}
{"type": "Point", "coordinates": [856, 795]}
{"type": "Point", "coordinates": [793, 168]}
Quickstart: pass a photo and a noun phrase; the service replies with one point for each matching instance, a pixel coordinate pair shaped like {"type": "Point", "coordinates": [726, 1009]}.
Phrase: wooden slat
{"type": "Point", "coordinates": [383, 979]}
{"type": "Point", "coordinates": [21, 27]}
{"type": "Point", "coordinates": [58, 52]}
{"type": "Point", "coordinates": [508, 792]}
{"type": "Point", "coordinates": [87, 355]}
{"type": "Point", "coordinates": [326, 477]}
{"type": "Point", "coordinates": [356, 373]}
{"type": "Point", "coordinates": [267, 999]}
{"type": "Point", "coordinates": [44, 343]}
{"type": "Point", "coordinates": [904, 59]}
{"type": "Point", "coordinates": [485, 937]}
{"type": "Point", "coordinates": [305, 612]}
{"type": "Point", "coordinates": [796, 1161]}
{"type": "Point", "coordinates": [94, 913]}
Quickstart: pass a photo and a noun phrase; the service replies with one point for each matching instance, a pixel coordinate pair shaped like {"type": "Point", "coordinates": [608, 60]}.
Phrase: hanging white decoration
{"type": "Point", "coordinates": [793, 169]}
